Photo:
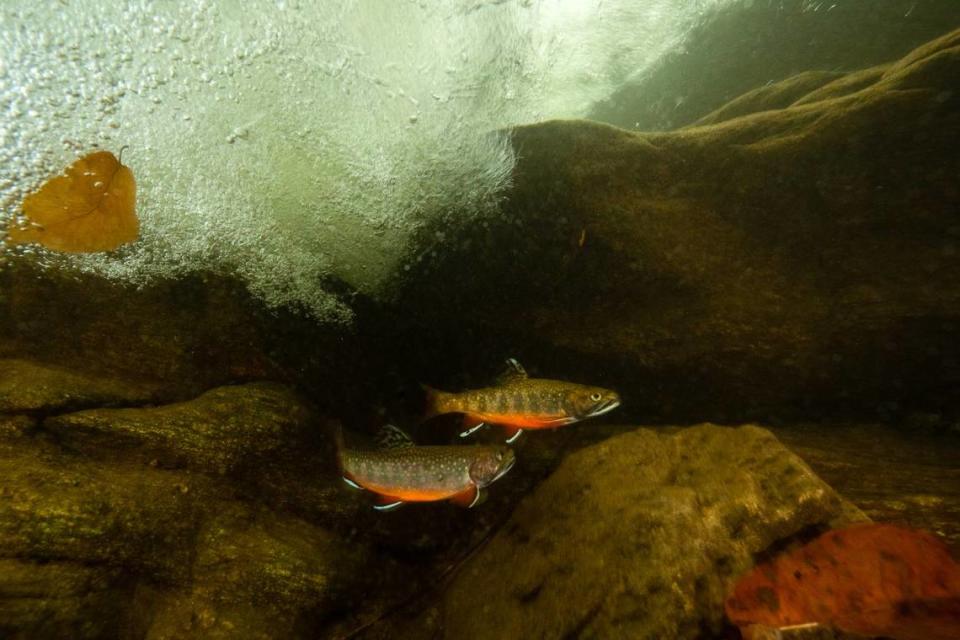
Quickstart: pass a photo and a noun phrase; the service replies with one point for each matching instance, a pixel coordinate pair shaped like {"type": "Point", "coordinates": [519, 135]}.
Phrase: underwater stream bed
{"type": "Point", "coordinates": [687, 369]}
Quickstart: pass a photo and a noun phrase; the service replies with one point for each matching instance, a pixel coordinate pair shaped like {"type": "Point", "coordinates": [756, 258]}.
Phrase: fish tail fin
{"type": "Point", "coordinates": [435, 402]}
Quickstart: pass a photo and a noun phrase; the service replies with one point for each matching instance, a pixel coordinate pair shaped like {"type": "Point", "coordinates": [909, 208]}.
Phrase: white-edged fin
{"type": "Point", "coordinates": [351, 483]}
{"type": "Point", "coordinates": [389, 506]}
{"type": "Point", "coordinates": [476, 498]}
{"type": "Point", "coordinates": [391, 437]}
{"type": "Point", "coordinates": [467, 498]}
{"type": "Point", "coordinates": [514, 437]}
{"type": "Point", "coordinates": [513, 373]}
{"type": "Point", "coordinates": [479, 425]}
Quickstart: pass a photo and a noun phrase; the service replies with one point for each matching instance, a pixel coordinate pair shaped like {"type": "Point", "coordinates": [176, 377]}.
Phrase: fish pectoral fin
{"type": "Point", "coordinates": [389, 506]}
{"type": "Point", "coordinates": [388, 503]}
{"type": "Point", "coordinates": [471, 424]}
{"type": "Point", "coordinates": [468, 498]}
{"type": "Point", "coordinates": [351, 483]}
{"type": "Point", "coordinates": [512, 434]}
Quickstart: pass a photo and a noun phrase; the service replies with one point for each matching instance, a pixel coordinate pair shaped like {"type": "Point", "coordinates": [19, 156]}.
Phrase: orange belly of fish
{"type": "Point", "coordinates": [410, 495]}
{"type": "Point", "coordinates": [520, 420]}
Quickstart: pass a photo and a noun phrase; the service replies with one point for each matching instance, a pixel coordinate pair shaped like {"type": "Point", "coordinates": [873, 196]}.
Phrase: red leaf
{"type": "Point", "coordinates": [870, 579]}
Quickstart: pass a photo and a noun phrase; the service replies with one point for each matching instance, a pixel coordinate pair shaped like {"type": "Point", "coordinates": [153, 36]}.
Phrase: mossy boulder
{"type": "Point", "coordinates": [157, 522]}
{"type": "Point", "coordinates": [791, 263]}
{"type": "Point", "coordinates": [184, 336]}
{"type": "Point", "coordinates": [776, 96]}
{"type": "Point", "coordinates": [640, 536]}
{"type": "Point", "coordinates": [216, 432]}
{"type": "Point", "coordinates": [13, 427]}
{"type": "Point", "coordinates": [61, 600]}
{"type": "Point", "coordinates": [735, 47]}
{"type": "Point", "coordinates": [260, 575]}
{"type": "Point", "coordinates": [55, 507]}
{"type": "Point", "coordinates": [29, 386]}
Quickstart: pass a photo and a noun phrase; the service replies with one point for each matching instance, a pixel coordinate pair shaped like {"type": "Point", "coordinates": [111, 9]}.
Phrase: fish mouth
{"type": "Point", "coordinates": [604, 407]}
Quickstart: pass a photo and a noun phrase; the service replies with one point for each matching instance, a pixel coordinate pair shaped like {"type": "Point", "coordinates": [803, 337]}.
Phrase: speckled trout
{"type": "Point", "coordinates": [400, 471]}
{"type": "Point", "coordinates": [517, 402]}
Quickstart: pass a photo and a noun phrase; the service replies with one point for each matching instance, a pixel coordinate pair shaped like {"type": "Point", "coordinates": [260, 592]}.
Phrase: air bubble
{"type": "Point", "coordinates": [329, 185]}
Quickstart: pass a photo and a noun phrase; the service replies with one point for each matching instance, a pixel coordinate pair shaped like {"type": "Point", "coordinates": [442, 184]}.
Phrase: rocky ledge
{"type": "Point", "coordinates": [223, 516]}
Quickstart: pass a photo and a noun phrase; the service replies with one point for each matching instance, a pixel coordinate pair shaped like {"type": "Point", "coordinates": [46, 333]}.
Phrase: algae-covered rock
{"type": "Point", "coordinates": [60, 600]}
{"type": "Point", "coordinates": [639, 537]}
{"type": "Point", "coordinates": [260, 575]}
{"type": "Point", "coordinates": [186, 335]}
{"type": "Point", "coordinates": [738, 46]}
{"type": "Point", "coordinates": [776, 96]}
{"type": "Point", "coordinates": [846, 84]}
{"type": "Point", "coordinates": [53, 507]}
{"type": "Point", "coordinates": [792, 262]}
{"type": "Point", "coordinates": [215, 432]}
{"type": "Point", "coordinates": [32, 386]}
{"type": "Point", "coordinates": [912, 479]}
{"type": "Point", "coordinates": [100, 538]}
{"type": "Point", "coordinates": [12, 427]}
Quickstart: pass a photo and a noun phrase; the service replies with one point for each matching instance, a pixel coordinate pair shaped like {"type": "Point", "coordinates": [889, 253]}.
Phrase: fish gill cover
{"type": "Point", "coordinates": [294, 143]}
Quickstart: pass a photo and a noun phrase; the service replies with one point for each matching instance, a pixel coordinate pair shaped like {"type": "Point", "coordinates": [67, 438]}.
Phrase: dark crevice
{"type": "Point", "coordinates": [583, 623]}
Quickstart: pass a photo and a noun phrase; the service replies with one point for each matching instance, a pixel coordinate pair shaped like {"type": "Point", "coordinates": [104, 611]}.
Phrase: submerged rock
{"type": "Point", "coordinates": [31, 386]}
{"type": "Point", "coordinates": [788, 263]}
{"type": "Point", "coordinates": [259, 575]}
{"type": "Point", "coordinates": [157, 522]}
{"type": "Point", "coordinates": [12, 427]}
{"type": "Point", "coordinates": [911, 479]}
{"type": "Point", "coordinates": [776, 96]}
{"type": "Point", "coordinates": [639, 537]}
{"type": "Point", "coordinates": [60, 600]}
{"type": "Point", "coordinates": [738, 46]}
{"type": "Point", "coordinates": [54, 507]}
{"type": "Point", "coordinates": [183, 337]}
{"type": "Point", "coordinates": [216, 432]}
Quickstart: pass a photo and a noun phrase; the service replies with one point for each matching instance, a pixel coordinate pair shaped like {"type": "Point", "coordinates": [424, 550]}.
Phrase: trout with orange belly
{"type": "Point", "coordinates": [400, 471]}
{"type": "Point", "coordinates": [517, 402]}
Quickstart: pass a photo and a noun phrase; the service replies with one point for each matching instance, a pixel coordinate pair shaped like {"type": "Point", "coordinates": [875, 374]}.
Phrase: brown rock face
{"type": "Point", "coordinates": [737, 46]}
{"type": "Point", "coordinates": [256, 575]}
{"type": "Point", "coordinates": [789, 262]}
{"type": "Point", "coordinates": [217, 432]}
{"type": "Point", "coordinates": [776, 96]}
{"type": "Point", "coordinates": [60, 600]}
{"type": "Point", "coordinates": [639, 537]}
{"type": "Point", "coordinates": [27, 386]}
{"type": "Point", "coordinates": [156, 522]}
{"type": "Point", "coordinates": [180, 337]}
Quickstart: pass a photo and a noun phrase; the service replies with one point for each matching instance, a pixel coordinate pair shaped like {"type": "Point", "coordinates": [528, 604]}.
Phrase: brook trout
{"type": "Point", "coordinates": [517, 402]}
{"type": "Point", "coordinates": [399, 471]}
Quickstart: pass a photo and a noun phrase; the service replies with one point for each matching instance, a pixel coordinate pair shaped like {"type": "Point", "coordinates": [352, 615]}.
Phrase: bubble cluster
{"type": "Point", "coordinates": [292, 143]}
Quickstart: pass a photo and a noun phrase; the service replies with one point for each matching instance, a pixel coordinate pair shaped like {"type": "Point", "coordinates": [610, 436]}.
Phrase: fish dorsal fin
{"type": "Point", "coordinates": [391, 437]}
{"type": "Point", "coordinates": [513, 373]}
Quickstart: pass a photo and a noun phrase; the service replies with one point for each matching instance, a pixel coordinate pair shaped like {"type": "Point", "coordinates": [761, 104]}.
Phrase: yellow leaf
{"type": "Point", "coordinates": [90, 208]}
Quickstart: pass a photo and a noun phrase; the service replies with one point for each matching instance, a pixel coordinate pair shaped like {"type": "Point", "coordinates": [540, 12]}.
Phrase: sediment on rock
{"type": "Point", "coordinates": [640, 536]}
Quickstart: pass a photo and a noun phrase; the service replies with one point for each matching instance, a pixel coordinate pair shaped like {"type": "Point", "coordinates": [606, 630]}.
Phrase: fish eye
{"type": "Point", "coordinates": [595, 397]}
